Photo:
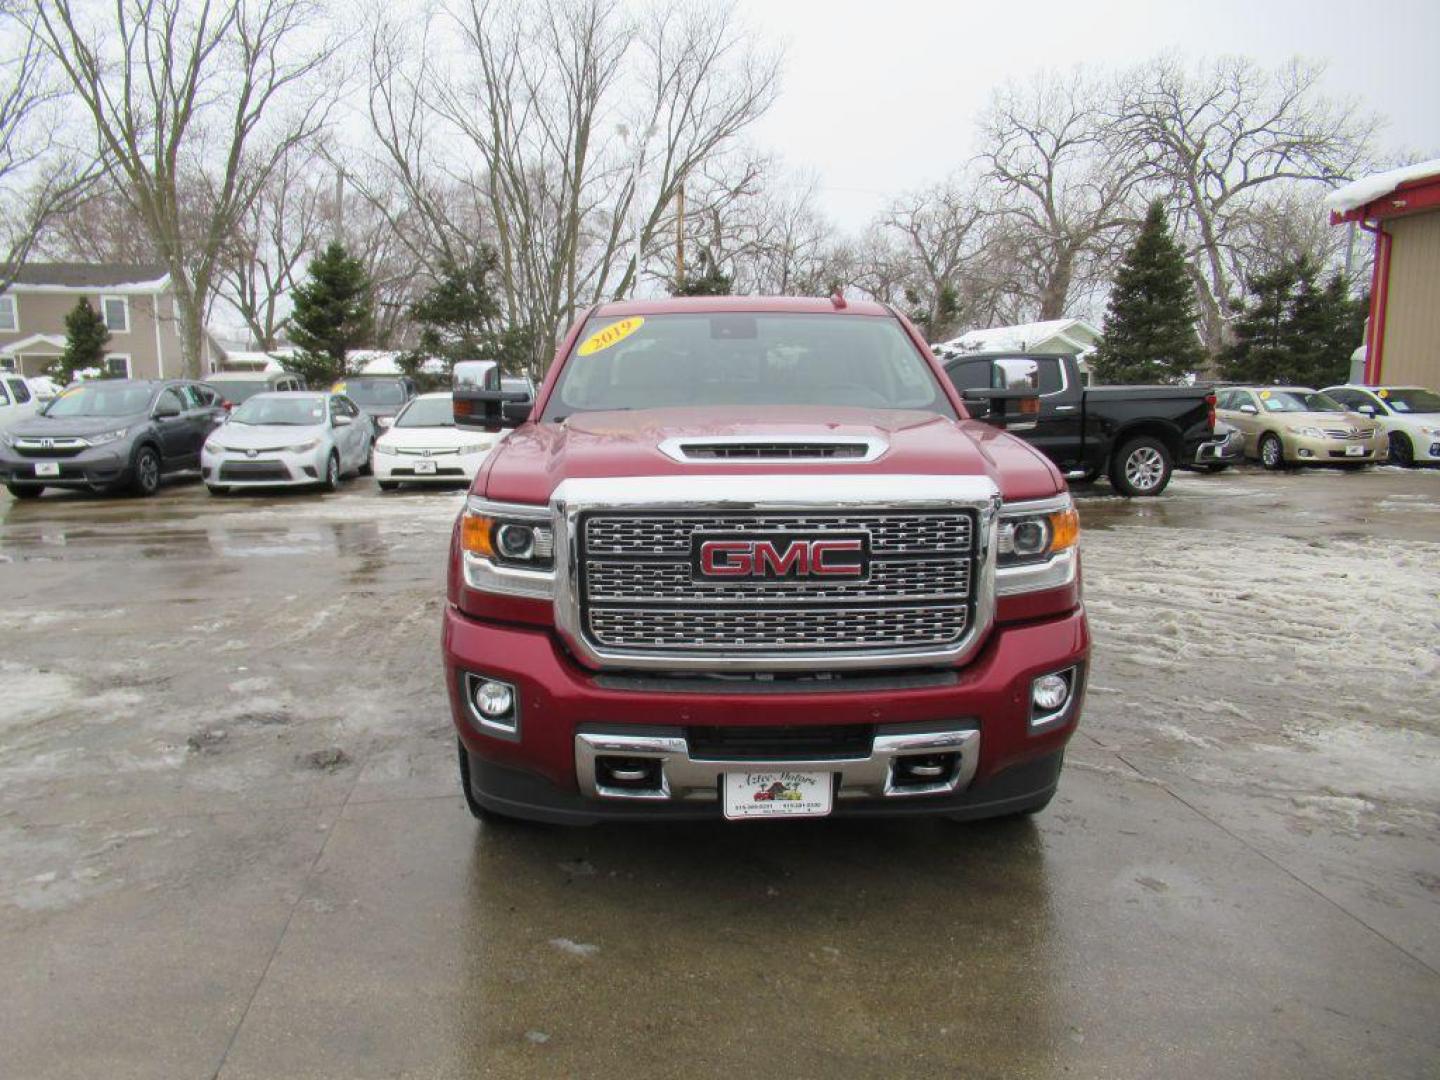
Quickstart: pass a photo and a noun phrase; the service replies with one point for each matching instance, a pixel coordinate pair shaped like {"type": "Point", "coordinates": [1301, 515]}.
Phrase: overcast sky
{"type": "Point", "coordinates": [881, 96]}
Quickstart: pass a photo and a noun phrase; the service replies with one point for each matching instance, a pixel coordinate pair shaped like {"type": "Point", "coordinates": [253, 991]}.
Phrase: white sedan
{"type": "Point", "coordinates": [425, 446]}
{"type": "Point", "coordinates": [1409, 416]}
{"type": "Point", "coordinates": [288, 439]}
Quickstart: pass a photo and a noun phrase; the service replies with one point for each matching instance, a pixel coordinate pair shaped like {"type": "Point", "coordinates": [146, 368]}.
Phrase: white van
{"type": "Point", "coordinates": [16, 400]}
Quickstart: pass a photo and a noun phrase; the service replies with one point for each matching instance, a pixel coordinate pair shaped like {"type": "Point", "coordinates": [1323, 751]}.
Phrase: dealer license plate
{"type": "Point", "coordinates": [424, 468]}
{"type": "Point", "coordinates": [1354, 451]}
{"type": "Point", "coordinates": [777, 794]}
{"type": "Point", "coordinates": [47, 468]}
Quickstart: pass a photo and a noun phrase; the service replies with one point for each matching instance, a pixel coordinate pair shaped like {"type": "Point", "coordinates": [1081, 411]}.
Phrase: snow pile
{"type": "Point", "coordinates": [1022, 337]}
{"type": "Point", "coordinates": [1369, 188]}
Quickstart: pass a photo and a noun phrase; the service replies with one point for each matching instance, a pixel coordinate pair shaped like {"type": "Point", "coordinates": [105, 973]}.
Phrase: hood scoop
{"type": "Point", "coordinates": [773, 448]}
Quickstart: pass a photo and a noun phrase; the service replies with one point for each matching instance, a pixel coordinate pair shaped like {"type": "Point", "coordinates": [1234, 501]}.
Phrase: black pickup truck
{"type": "Point", "coordinates": [1135, 434]}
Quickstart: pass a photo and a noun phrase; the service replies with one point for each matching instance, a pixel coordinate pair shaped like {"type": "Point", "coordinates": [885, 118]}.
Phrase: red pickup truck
{"type": "Point", "coordinates": [756, 545]}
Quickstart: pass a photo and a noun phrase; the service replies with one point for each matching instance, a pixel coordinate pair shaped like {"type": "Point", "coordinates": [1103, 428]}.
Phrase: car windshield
{"type": "Point", "coordinates": [733, 358]}
{"type": "Point", "coordinates": [237, 390]}
{"type": "Point", "coordinates": [375, 391]}
{"type": "Point", "coordinates": [1411, 400]}
{"type": "Point", "coordinates": [1298, 401]}
{"type": "Point", "coordinates": [286, 410]}
{"type": "Point", "coordinates": [117, 399]}
{"type": "Point", "coordinates": [428, 412]}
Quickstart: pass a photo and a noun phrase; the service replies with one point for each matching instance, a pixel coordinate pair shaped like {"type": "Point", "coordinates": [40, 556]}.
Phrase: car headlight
{"type": "Point", "coordinates": [304, 447]}
{"type": "Point", "coordinates": [472, 448]}
{"type": "Point", "coordinates": [1034, 538]}
{"type": "Point", "coordinates": [381, 448]}
{"type": "Point", "coordinates": [506, 540]}
{"type": "Point", "coordinates": [213, 447]}
{"type": "Point", "coordinates": [1432, 432]}
{"type": "Point", "coordinates": [5, 439]}
{"type": "Point", "coordinates": [106, 437]}
{"type": "Point", "coordinates": [1307, 432]}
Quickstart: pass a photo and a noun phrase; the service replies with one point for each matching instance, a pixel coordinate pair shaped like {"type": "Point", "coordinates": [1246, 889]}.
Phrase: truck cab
{"type": "Point", "coordinates": [744, 542]}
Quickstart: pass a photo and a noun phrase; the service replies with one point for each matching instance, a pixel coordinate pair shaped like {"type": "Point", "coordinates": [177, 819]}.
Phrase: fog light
{"type": "Point", "coordinates": [1050, 692]}
{"type": "Point", "coordinates": [1305, 453]}
{"type": "Point", "coordinates": [493, 699]}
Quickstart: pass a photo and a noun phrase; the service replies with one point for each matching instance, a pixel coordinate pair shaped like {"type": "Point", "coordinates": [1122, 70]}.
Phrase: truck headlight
{"type": "Point", "coordinates": [1031, 538]}
{"type": "Point", "coordinates": [507, 540]}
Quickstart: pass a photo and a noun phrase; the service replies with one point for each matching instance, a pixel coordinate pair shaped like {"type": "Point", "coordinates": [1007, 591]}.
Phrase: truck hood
{"type": "Point", "coordinates": [68, 427]}
{"type": "Point", "coordinates": [527, 467]}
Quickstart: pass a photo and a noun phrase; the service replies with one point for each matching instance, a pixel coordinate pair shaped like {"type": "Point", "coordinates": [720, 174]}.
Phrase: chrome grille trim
{"type": "Point", "coordinates": [786, 630]}
{"type": "Point", "coordinates": [623, 582]}
{"type": "Point", "coordinates": [891, 532]}
{"type": "Point", "coordinates": [943, 633]}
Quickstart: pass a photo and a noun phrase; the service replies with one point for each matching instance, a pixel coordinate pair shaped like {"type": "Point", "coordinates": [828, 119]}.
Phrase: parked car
{"type": "Point", "coordinates": [44, 388]}
{"type": "Point", "coordinates": [17, 400]}
{"type": "Point", "coordinates": [1225, 449]}
{"type": "Point", "coordinates": [1408, 415]}
{"type": "Point", "coordinates": [236, 387]}
{"type": "Point", "coordinates": [382, 396]}
{"type": "Point", "coordinates": [289, 439]}
{"type": "Point", "coordinates": [1295, 425]}
{"type": "Point", "coordinates": [1135, 434]}
{"type": "Point", "coordinates": [715, 501]}
{"type": "Point", "coordinates": [423, 445]}
{"type": "Point", "coordinates": [108, 435]}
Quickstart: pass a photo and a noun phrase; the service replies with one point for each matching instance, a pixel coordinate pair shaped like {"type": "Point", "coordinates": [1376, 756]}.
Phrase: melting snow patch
{"type": "Point", "coordinates": [574, 948]}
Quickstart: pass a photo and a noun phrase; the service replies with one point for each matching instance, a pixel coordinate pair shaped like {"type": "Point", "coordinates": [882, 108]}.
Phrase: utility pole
{"type": "Point", "coordinates": [680, 235]}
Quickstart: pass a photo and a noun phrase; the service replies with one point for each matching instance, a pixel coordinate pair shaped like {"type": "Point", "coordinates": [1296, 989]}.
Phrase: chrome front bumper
{"type": "Point", "coordinates": [684, 777]}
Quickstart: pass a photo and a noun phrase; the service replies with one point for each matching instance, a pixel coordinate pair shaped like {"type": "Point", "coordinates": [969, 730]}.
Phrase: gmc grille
{"type": "Point", "coordinates": [639, 592]}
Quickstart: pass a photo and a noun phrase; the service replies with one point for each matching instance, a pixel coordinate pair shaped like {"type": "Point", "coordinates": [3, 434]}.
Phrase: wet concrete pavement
{"type": "Point", "coordinates": [232, 844]}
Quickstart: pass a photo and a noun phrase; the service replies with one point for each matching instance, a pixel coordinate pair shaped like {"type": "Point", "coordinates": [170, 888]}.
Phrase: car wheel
{"type": "Point", "coordinates": [1141, 468]}
{"type": "Point", "coordinates": [478, 812]}
{"type": "Point", "coordinates": [332, 472]}
{"type": "Point", "coordinates": [1272, 451]}
{"type": "Point", "coordinates": [217, 489]}
{"type": "Point", "coordinates": [25, 491]}
{"type": "Point", "coordinates": [145, 480]}
{"type": "Point", "coordinates": [1402, 450]}
{"type": "Point", "coordinates": [388, 485]}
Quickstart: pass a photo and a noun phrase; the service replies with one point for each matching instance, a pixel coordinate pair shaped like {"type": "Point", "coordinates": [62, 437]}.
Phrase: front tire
{"type": "Point", "coordinates": [1402, 450]}
{"type": "Point", "coordinates": [478, 812]}
{"type": "Point", "coordinates": [1272, 452]}
{"type": "Point", "coordinates": [1141, 468]}
{"type": "Point", "coordinates": [146, 472]}
{"type": "Point", "coordinates": [25, 491]}
{"type": "Point", "coordinates": [332, 473]}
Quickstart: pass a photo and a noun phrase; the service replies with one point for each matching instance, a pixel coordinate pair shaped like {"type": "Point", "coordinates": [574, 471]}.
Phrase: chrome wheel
{"type": "Point", "coordinates": [147, 472]}
{"type": "Point", "coordinates": [1272, 454]}
{"type": "Point", "coordinates": [1144, 468]}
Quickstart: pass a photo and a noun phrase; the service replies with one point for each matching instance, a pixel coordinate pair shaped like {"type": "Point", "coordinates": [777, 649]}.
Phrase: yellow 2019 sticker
{"type": "Point", "coordinates": [1382, 393]}
{"type": "Point", "coordinates": [1264, 395]}
{"type": "Point", "coordinates": [611, 335]}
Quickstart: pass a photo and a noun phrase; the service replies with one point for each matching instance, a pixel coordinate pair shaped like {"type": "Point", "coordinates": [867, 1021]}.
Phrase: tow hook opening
{"type": "Point", "coordinates": [924, 770]}
{"type": "Point", "coordinates": [628, 773]}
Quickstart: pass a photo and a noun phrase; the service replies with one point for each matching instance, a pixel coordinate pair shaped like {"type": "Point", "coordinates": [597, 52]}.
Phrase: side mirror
{"type": "Point", "coordinates": [342, 421]}
{"type": "Point", "coordinates": [166, 412]}
{"type": "Point", "coordinates": [478, 400]}
{"type": "Point", "coordinates": [1249, 410]}
{"type": "Point", "coordinates": [1013, 410]}
{"type": "Point", "coordinates": [1367, 410]}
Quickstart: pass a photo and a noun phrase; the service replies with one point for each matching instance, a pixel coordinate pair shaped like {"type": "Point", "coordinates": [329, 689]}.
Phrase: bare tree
{"type": "Point", "coordinates": [44, 172]}
{"type": "Point", "coordinates": [559, 135]}
{"type": "Point", "coordinates": [214, 93]}
{"type": "Point", "coordinates": [261, 259]}
{"type": "Point", "coordinates": [1068, 194]}
{"type": "Point", "coordinates": [1220, 137]}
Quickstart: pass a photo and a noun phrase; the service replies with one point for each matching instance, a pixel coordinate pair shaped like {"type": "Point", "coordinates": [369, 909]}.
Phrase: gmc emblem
{"type": "Point", "coordinates": [779, 555]}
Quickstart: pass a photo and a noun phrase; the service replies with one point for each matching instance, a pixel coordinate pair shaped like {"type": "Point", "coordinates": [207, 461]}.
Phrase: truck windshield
{"type": "Point", "coordinates": [735, 358]}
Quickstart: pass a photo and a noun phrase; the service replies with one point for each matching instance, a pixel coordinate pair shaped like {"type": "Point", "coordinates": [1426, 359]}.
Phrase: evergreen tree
{"type": "Point", "coordinates": [1150, 321]}
{"type": "Point", "coordinates": [333, 314]}
{"type": "Point", "coordinates": [461, 319]}
{"type": "Point", "coordinates": [709, 282]}
{"type": "Point", "coordinates": [1295, 330]}
{"type": "Point", "coordinates": [86, 336]}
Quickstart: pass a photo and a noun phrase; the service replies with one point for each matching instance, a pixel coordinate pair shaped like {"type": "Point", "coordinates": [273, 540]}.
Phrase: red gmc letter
{"type": "Point", "coordinates": [820, 548]}
{"type": "Point", "coordinates": [726, 558]}
{"type": "Point", "coordinates": [768, 558]}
